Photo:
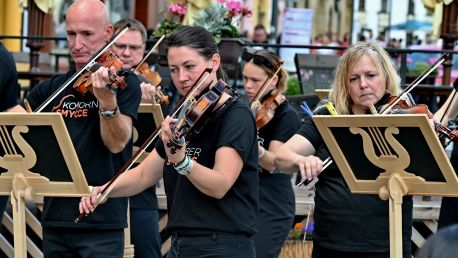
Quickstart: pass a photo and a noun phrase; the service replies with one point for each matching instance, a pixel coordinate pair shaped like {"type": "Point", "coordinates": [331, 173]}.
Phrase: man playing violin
{"type": "Point", "coordinates": [278, 123]}
{"type": "Point", "coordinates": [100, 126]}
{"type": "Point", "coordinates": [130, 48]}
{"type": "Point", "coordinates": [143, 206]}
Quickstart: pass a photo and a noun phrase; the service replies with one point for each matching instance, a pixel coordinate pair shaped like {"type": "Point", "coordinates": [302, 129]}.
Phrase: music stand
{"type": "Point", "coordinates": [147, 113]}
{"type": "Point", "coordinates": [389, 155]}
{"type": "Point", "coordinates": [37, 159]}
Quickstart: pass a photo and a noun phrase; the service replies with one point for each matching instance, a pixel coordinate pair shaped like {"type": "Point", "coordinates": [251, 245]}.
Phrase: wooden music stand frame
{"type": "Point", "coordinates": [351, 138]}
{"type": "Point", "coordinates": [146, 108]}
{"type": "Point", "coordinates": [155, 109]}
{"type": "Point", "coordinates": [24, 185]}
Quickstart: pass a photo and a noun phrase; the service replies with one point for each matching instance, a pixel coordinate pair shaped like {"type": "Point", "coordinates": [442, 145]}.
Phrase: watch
{"type": "Point", "coordinates": [109, 113]}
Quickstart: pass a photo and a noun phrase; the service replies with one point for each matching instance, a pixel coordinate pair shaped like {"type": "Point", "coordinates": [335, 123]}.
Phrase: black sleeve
{"type": "Point", "coordinates": [287, 124]}
{"type": "Point", "coordinates": [39, 94]}
{"type": "Point", "coordinates": [238, 131]}
{"type": "Point", "coordinates": [130, 97]}
{"type": "Point", "coordinates": [9, 87]}
{"type": "Point", "coordinates": [309, 131]}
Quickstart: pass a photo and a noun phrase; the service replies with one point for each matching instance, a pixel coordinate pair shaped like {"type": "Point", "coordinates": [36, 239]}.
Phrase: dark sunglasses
{"type": "Point", "coordinates": [257, 60]}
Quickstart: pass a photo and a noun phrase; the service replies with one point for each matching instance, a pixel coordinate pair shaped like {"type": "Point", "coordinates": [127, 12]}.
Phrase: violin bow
{"type": "Point", "coordinates": [254, 104]}
{"type": "Point", "coordinates": [85, 68]}
{"type": "Point", "coordinates": [111, 184]}
{"type": "Point", "coordinates": [415, 83]}
{"type": "Point", "coordinates": [150, 52]}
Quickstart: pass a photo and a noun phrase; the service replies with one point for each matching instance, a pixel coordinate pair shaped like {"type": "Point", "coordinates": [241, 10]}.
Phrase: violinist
{"type": "Point", "coordinates": [276, 195]}
{"type": "Point", "coordinates": [211, 181]}
{"type": "Point", "coordinates": [348, 225]}
{"type": "Point", "coordinates": [130, 48]}
{"type": "Point", "coordinates": [143, 207]}
{"type": "Point", "coordinates": [449, 206]}
{"type": "Point", "coordinates": [100, 126]}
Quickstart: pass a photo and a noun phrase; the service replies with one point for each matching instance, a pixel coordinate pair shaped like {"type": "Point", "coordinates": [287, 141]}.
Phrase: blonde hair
{"type": "Point", "coordinates": [276, 62]}
{"type": "Point", "coordinates": [340, 92]}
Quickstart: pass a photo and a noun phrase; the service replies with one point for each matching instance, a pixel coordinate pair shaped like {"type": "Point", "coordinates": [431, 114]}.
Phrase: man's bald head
{"type": "Point", "coordinates": [94, 8]}
{"type": "Point", "coordinates": [88, 29]}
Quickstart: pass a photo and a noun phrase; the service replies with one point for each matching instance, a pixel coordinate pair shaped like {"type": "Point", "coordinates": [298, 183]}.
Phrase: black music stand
{"type": "Point", "coordinates": [389, 155]}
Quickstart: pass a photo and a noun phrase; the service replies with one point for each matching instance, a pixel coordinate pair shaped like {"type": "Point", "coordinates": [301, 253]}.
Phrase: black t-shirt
{"type": "Point", "coordinates": [9, 87]}
{"type": "Point", "coordinates": [346, 221]}
{"type": "Point", "coordinates": [190, 210]}
{"type": "Point", "coordinates": [81, 116]}
{"type": "Point", "coordinates": [282, 127]}
{"type": "Point", "coordinates": [276, 195]}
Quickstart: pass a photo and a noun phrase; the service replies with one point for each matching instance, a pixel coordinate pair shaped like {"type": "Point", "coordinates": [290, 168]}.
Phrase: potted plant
{"type": "Point", "coordinates": [222, 18]}
{"type": "Point", "coordinates": [172, 18]}
{"type": "Point", "coordinates": [418, 69]}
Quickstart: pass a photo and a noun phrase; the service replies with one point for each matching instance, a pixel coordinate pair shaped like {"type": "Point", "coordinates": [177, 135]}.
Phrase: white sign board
{"type": "Point", "coordinates": [297, 30]}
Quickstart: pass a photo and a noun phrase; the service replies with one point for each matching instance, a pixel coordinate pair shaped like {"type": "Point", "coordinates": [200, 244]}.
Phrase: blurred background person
{"type": "Point", "coordinates": [9, 86]}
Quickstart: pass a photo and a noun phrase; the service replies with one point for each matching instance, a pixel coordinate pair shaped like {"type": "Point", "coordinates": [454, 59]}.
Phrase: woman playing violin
{"type": "Point", "coordinates": [100, 126]}
{"type": "Point", "coordinates": [346, 224]}
{"type": "Point", "coordinates": [276, 196]}
{"type": "Point", "coordinates": [211, 182]}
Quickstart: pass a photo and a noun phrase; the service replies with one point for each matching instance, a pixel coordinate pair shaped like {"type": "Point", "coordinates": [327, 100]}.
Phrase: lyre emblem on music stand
{"type": "Point", "coordinates": [391, 162]}
{"type": "Point", "coordinates": [13, 161]}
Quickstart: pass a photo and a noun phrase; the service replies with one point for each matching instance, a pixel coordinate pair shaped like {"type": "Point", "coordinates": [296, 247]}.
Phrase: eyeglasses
{"type": "Point", "coordinates": [123, 47]}
{"type": "Point", "coordinates": [257, 60]}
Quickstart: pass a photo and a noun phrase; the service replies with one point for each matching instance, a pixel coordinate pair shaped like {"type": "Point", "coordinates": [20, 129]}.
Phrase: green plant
{"type": "Point", "coordinates": [166, 27]}
{"type": "Point", "coordinates": [293, 86]}
{"type": "Point", "coordinates": [173, 17]}
{"type": "Point", "coordinates": [419, 68]}
{"type": "Point", "coordinates": [221, 18]}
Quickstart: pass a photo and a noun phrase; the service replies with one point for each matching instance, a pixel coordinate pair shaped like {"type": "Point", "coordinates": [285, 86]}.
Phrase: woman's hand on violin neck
{"type": "Point", "coordinates": [174, 155]}
{"type": "Point", "coordinates": [88, 204]}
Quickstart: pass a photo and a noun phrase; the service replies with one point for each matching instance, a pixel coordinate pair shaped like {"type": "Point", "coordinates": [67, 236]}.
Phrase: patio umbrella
{"type": "Point", "coordinates": [412, 25]}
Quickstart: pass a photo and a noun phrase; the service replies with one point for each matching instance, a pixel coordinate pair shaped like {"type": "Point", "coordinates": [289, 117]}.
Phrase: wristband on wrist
{"type": "Point", "coordinates": [185, 166]}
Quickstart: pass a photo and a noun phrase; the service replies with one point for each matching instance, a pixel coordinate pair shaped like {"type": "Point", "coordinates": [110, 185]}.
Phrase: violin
{"type": "Point", "coordinates": [194, 115]}
{"type": "Point", "coordinates": [147, 75]}
{"type": "Point", "coordinates": [109, 186]}
{"type": "Point", "coordinates": [402, 107]}
{"type": "Point", "coordinates": [267, 110]}
{"type": "Point", "coordinates": [153, 77]}
{"type": "Point", "coordinates": [72, 79]}
{"type": "Point", "coordinates": [107, 59]}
